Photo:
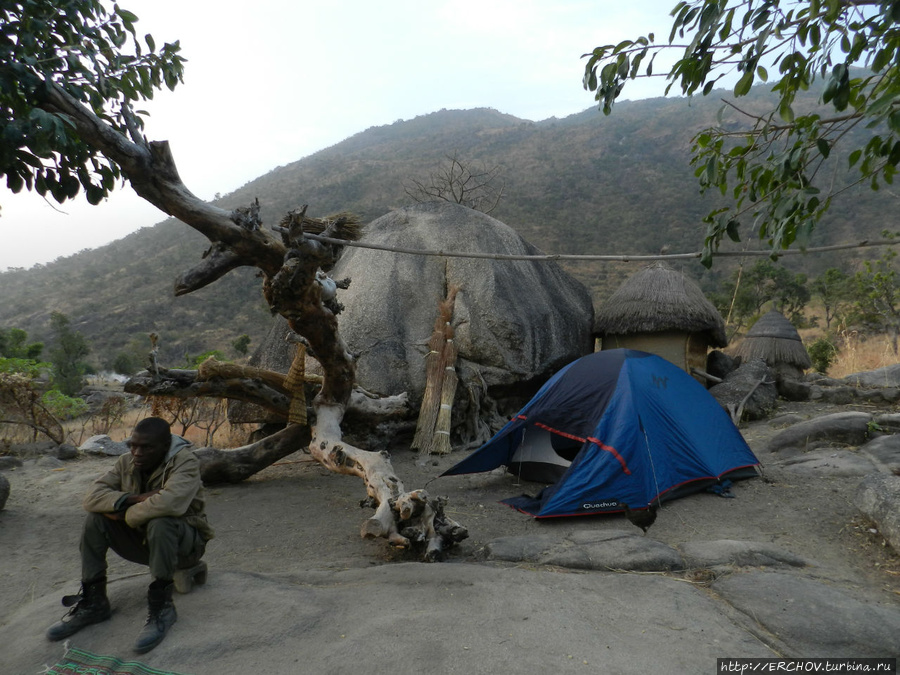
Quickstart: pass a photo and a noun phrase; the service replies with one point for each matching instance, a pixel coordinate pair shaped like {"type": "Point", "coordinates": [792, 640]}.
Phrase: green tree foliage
{"type": "Point", "coordinates": [877, 292]}
{"type": "Point", "coordinates": [27, 367]}
{"type": "Point", "coordinates": [195, 361]}
{"type": "Point", "coordinates": [771, 169]}
{"type": "Point", "coordinates": [126, 363]}
{"type": "Point", "coordinates": [95, 55]}
{"type": "Point", "coordinates": [242, 344]}
{"type": "Point", "coordinates": [63, 407]}
{"type": "Point", "coordinates": [67, 356]}
{"type": "Point", "coordinates": [822, 353]}
{"type": "Point", "coordinates": [14, 344]}
{"type": "Point", "coordinates": [744, 296]}
{"type": "Point", "coordinates": [835, 289]}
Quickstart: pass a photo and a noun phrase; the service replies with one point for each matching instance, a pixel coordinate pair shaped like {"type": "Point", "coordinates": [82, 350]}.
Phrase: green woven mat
{"type": "Point", "coordinates": [81, 662]}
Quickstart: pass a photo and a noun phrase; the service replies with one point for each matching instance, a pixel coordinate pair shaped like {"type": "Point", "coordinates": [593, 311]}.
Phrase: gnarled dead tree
{"type": "Point", "coordinates": [291, 264]}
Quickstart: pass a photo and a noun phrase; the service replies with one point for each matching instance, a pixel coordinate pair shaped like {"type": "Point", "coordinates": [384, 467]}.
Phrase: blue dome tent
{"type": "Point", "coordinates": [615, 428]}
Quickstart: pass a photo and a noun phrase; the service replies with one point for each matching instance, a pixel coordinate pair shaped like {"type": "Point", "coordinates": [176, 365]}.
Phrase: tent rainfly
{"type": "Point", "coordinates": [660, 311]}
{"type": "Point", "coordinates": [615, 428]}
{"type": "Point", "coordinates": [775, 340]}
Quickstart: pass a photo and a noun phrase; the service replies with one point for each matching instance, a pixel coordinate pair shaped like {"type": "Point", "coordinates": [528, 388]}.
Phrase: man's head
{"type": "Point", "coordinates": [149, 443]}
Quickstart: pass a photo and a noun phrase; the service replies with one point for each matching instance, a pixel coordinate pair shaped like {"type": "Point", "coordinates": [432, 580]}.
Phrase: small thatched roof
{"type": "Point", "coordinates": [775, 340]}
{"type": "Point", "coordinates": [658, 299]}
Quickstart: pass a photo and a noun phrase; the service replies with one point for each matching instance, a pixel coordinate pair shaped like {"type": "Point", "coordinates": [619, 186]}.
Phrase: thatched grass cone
{"type": "Point", "coordinates": [295, 383]}
{"type": "Point", "coordinates": [434, 376]}
{"type": "Point", "coordinates": [431, 398]}
{"type": "Point", "coordinates": [441, 441]}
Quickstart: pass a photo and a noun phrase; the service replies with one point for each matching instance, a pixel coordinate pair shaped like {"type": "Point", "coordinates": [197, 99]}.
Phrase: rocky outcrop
{"type": "Point", "coordinates": [603, 551]}
{"type": "Point", "coordinates": [847, 428]}
{"type": "Point", "coordinates": [799, 616]}
{"type": "Point", "coordinates": [103, 445]}
{"type": "Point", "coordinates": [878, 498]}
{"type": "Point", "coordinates": [516, 321]}
{"type": "Point", "coordinates": [751, 385]}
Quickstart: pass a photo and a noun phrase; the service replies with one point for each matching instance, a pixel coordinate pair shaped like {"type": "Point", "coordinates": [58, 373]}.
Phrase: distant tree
{"type": "Point", "coordinates": [771, 166]}
{"type": "Point", "coordinates": [744, 296]}
{"type": "Point", "coordinates": [213, 416]}
{"type": "Point", "coordinates": [109, 415]}
{"type": "Point", "coordinates": [835, 289]}
{"type": "Point", "coordinates": [460, 182]}
{"type": "Point", "coordinates": [877, 292]}
{"type": "Point", "coordinates": [14, 344]}
{"type": "Point", "coordinates": [67, 356]}
{"type": "Point", "coordinates": [126, 363]}
{"type": "Point", "coordinates": [242, 344]}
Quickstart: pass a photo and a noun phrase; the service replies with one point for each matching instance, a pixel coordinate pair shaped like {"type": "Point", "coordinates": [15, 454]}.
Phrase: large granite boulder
{"type": "Point", "coordinates": [753, 375]}
{"type": "Point", "coordinates": [878, 497]}
{"type": "Point", "coordinates": [516, 321]}
{"type": "Point", "coordinates": [103, 445]}
{"type": "Point", "coordinates": [889, 376]}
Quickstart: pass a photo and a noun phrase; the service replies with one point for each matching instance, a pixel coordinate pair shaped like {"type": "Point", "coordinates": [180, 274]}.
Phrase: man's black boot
{"type": "Point", "coordinates": [160, 616]}
{"type": "Point", "coordinates": [88, 607]}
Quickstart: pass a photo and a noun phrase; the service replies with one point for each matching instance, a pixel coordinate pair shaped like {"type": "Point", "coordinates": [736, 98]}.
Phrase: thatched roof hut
{"type": "Point", "coordinates": [659, 310]}
{"type": "Point", "coordinates": [774, 340]}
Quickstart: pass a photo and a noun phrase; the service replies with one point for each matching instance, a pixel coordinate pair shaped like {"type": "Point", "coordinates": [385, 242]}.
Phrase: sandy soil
{"type": "Point", "coordinates": [297, 516]}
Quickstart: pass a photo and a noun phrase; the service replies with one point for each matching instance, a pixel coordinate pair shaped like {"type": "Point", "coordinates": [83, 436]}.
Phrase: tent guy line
{"type": "Point", "coordinates": [865, 243]}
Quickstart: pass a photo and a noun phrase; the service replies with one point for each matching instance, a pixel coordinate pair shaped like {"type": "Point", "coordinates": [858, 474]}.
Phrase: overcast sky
{"type": "Point", "coordinates": [269, 82]}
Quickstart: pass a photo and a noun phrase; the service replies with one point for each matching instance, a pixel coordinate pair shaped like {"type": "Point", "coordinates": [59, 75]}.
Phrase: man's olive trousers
{"type": "Point", "coordinates": [164, 544]}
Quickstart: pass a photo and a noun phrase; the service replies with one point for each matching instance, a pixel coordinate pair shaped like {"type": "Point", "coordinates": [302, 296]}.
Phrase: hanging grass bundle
{"type": "Point", "coordinates": [295, 382]}
{"type": "Point", "coordinates": [434, 376]}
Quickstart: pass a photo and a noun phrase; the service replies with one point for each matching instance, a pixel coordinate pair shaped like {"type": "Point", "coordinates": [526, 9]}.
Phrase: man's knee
{"type": "Point", "coordinates": [164, 530]}
{"type": "Point", "coordinates": [94, 521]}
{"type": "Point", "coordinates": [99, 524]}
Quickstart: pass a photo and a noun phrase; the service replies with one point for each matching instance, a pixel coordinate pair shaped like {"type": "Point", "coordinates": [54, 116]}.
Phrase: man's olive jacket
{"type": "Point", "coordinates": [177, 478]}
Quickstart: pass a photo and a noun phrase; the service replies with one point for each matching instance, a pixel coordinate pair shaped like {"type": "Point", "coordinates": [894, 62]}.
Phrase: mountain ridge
{"type": "Point", "coordinates": [580, 184]}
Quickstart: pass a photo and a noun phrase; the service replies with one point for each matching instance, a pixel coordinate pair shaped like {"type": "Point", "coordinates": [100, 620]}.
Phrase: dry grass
{"type": "Point", "coordinates": [856, 353]}
{"type": "Point", "coordinates": [227, 436]}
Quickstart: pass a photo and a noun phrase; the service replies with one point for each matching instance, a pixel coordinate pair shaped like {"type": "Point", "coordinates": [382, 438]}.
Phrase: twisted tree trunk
{"type": "Point", "coordinates": [289, 262]}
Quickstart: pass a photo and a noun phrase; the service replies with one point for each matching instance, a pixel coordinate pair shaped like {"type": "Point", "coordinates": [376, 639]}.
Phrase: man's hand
{"type": "Point", "coordinates": [135, 499]}
{"type": "Point", "coordinates": [131, 500]}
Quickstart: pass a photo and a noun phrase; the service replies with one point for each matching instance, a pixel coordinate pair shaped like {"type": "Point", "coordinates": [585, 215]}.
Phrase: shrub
{"type": "Point", "coordinates": [822, 352]}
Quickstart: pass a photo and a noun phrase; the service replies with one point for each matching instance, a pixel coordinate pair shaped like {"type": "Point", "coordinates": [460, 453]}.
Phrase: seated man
{"type": "Point", "coordinates": [149, 509]}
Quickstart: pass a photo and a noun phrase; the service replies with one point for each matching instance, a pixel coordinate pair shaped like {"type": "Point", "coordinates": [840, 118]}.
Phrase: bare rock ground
{"type": "Point", "coordinates": [781, 569]}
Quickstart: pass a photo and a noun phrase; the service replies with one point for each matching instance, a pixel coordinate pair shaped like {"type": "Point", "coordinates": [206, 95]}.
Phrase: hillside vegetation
{"type": "Point", "coordinates": [583, 184]}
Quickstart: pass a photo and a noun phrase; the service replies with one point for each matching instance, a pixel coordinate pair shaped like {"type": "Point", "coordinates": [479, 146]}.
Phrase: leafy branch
{"type": "Point", "coordinates": [770, 170]}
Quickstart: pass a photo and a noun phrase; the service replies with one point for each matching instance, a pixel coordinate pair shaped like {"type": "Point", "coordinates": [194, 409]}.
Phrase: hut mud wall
{"type": "Point", "coordinates": [685, 350]}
